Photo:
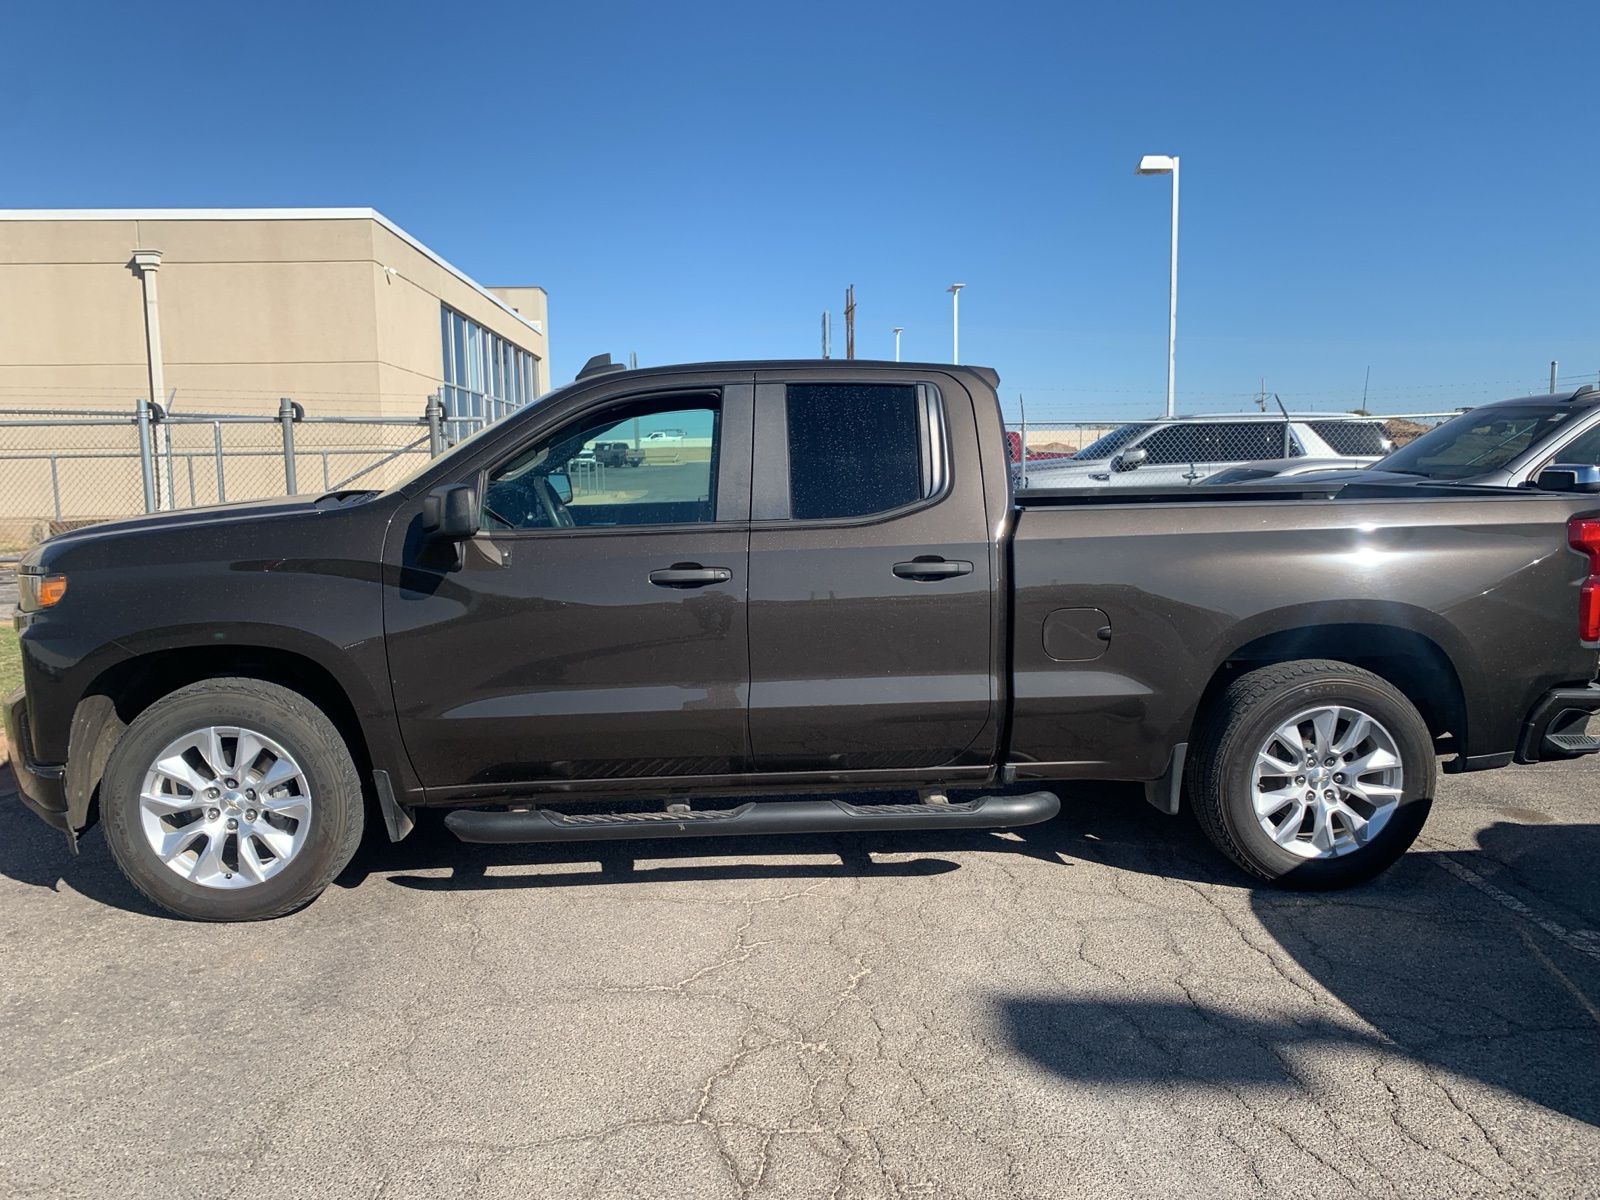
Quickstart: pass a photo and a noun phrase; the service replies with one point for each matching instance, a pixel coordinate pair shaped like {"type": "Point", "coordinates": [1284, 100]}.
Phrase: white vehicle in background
{"type": "Point", "coordinates": [665, 435]}
{"type": "Point", "coordinates": [1179, 451]}
{"type": "Point", "coordinates": [1284, 468]}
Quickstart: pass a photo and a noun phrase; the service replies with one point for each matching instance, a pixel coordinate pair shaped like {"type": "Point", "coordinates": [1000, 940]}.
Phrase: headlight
{"type": "Point", "coordinates": [39, 591]}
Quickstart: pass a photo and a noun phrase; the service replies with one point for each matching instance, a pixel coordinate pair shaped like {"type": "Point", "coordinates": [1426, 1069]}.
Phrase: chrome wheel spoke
{"type": "Point", "coordinates": [1315, 804]}
{"type": "Point", "coordinates": [294, 808]}
{"type": "Point", "coordinates": [210, 746]}
{"type": "Point", "coordinates": [1288, 830]}
{"type": "Point", "coordinates": [250, 862]}
{"type": "Point", "coordinates": [209, 864]}
{"type": "Point", "coordinates": [1277, 764]}
{"type": "Point", "coordinates": [282, 771]}
{"type": "Point", "coordinates": [246, 750]}
{"type": "Point", "coordinates": [1355, 733]}
{"type": "Point", "coordinates": [216, 816]}
{"type": "Point", "coordinates": [1378, 759]}
{"type": "Point", "coordinates": [1268, 803]}
{"type": "Point", "coordinates": [279, 842]}
{"type": "Point", "coordinates": [1323, 724]}
{"type": "Point", "coordinates": [176, 768]}
{"type": "Point", "coordinates": [1373, 793]}
{"type": "Point", "coordinates": [1292, 739]}
{"type": "Point", "coordinates": [1353, 821]}
{"type": "Point", "coordinates": [166, 804]}
{"type": "Point", "coordinates": [1322, 836]}
{"type": "Point", "coordinates": [179, 840]}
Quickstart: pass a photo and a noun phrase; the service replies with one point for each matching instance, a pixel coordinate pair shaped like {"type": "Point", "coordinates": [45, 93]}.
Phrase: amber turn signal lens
{"type": "Point", "coordinates": [51, 589]}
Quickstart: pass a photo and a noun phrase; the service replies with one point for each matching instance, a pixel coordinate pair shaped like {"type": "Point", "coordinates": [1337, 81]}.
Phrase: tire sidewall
{"type": "Point", "coordinates": [1412, 739]}
{"type": "Point", "coordinates": [329, 774]}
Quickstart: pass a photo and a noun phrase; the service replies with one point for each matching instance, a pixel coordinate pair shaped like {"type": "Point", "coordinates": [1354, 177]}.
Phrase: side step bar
{"type": "Point", "coordinates": [756, 817]}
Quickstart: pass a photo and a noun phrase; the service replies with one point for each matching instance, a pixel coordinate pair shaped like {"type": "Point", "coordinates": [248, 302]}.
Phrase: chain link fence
{"type": "Point", "coordinates": [62, 468]}
{"type": "Point", "coordinates": [1210, 443]}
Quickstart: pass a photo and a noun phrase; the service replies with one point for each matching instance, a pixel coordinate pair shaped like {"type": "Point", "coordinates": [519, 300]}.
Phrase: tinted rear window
{"type": "Point", "coordinates": [854, 449]}
{"type": "Point", "coordinates": [1351, 437]}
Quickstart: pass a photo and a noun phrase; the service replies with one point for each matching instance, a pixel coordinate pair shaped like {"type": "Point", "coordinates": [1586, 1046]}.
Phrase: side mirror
{"type": "Point", "coordinates": [450, 512]}
{"type": "Point", "coordinates": [561, 485]}
{"type": "Point", "coordinates": [1129, 459]}
{"type": "Point", "coordinates": [1569, 477]}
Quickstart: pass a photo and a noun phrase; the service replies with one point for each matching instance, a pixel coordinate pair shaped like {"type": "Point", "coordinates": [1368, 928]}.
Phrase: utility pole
{"type": "Point", "coordinates": [825, 341]}
{"type": "Point", "coordinates": [850, 321]}
{"type": "Point", "coordinates": [1365, 384]}
{"type": "Point", "coordinates": [898, 330]}
{"type": "Point", "coordinates": [1553, 365]}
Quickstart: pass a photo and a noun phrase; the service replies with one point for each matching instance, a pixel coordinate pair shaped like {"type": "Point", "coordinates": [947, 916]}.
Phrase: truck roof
{"type": "Point", "coordinates": [601, 364]}
{"type": "Point", "coordinates": [1586, 395]}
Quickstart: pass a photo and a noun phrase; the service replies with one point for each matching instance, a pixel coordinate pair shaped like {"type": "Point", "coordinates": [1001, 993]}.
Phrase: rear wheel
{"type": "Point", "coordinates": [1312, 773]}
{"type": "Point", "coordinates": [231, 800]}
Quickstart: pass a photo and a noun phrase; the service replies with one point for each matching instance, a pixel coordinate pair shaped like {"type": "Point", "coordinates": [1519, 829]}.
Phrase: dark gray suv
{"type": "Point", "coordinates": [1504, 444]}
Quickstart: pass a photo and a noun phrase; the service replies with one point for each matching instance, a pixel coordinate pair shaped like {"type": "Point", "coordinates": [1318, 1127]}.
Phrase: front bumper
{"type": "Point", "coordinates": [42, 787]}
{"type": "Point", "coordinates": [1554, 729]}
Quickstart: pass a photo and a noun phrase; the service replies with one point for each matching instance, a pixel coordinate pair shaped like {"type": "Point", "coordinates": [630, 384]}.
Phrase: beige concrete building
{"type": "Point", "coordinates": [223, 313]}
{"type": "Point", "coordinates": [337, 308]}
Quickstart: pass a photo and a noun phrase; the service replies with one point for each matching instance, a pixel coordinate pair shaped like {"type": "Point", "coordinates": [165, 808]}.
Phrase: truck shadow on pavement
{"type": "Point", "coordinates": [1481, 964]}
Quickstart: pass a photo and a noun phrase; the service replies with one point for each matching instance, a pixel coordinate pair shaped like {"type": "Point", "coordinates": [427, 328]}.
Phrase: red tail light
{"type": "Point", "coordinates": [1583, 535]}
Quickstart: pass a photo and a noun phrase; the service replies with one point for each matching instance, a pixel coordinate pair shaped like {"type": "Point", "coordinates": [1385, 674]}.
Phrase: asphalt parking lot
{"type": "Point", "coordinates": [1096, 1006]}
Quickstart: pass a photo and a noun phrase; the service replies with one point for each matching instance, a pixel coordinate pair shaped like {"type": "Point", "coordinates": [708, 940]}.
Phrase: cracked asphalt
{"type": "Point", "coordinates": [1097, 1006]}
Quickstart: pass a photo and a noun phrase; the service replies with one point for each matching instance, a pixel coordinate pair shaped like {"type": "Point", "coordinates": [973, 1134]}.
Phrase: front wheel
{"type": "Point", "coordinates": [1312, 774]}
{"type": "Point", "coordinates": [231, 800]}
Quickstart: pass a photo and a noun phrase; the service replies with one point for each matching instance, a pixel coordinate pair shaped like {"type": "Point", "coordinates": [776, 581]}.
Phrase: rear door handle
{"type": "Point", "coordinates": [689, 575]}
{"type": "Point", "coordinates": [931, 568]}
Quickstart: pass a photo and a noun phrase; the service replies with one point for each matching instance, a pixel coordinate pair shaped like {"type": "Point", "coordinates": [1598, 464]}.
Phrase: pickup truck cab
{"type": "Point", "coordinates": [829, 590]}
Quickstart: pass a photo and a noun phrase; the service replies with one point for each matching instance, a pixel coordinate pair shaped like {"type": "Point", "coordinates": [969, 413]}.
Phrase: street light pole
{"type": "Point", "coordinates": [898, 330]}
{"type": "Point", "coordinates": [955, 321]}
{"type": "Point", "coordinates": [1167, 164]}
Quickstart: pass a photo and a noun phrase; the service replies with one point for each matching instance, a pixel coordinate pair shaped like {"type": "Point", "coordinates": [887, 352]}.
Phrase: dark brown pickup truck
{"type": "Point", "coordinates": [818, 582]}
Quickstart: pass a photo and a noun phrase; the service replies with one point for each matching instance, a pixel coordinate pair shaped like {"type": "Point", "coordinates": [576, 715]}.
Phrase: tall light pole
{"type": "Point", "coordinates": [898, 330]}
{"type": "Point", "coordinates": [1167, 164]}
{"type": "Point", "coordinates": [955, 321]}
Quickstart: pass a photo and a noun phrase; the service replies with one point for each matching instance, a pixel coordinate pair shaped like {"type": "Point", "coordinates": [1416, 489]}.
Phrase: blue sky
{"type": "Point", "coordinates": [1410, 187]}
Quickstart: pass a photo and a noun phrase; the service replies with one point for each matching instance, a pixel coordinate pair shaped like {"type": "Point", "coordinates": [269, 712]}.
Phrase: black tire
{"type": "Point", "coordinates": [1234, 728]}
{"type": "Point", "coordinates": [303, 730]}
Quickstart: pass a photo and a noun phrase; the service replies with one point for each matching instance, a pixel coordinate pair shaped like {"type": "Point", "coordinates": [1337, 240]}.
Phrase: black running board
{"type": "Point", "coordinates": [757, 817]}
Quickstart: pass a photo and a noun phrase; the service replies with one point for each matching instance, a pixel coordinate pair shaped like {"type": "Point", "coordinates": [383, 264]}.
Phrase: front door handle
{"type": "Point", "coordinates": [689, 575]}
{"type": "Point", "coordinates": [931, 568]}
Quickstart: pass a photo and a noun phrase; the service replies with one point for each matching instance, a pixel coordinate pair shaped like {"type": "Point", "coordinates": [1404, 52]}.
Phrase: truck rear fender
{"type": "Point", "coordinates": [1389, 645]}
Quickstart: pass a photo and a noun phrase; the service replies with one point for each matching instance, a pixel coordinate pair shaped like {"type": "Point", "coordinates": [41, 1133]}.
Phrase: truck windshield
{"type": "Point", "coordinates": [1477, 442]}
{"type": "Point", "coordinates": [1108, 444]}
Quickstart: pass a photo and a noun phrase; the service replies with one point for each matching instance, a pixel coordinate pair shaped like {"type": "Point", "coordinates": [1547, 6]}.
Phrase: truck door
{"type": "Point", "coordinates": [872, 627]}
{"type": "Point", "coordinates": [595, 627]}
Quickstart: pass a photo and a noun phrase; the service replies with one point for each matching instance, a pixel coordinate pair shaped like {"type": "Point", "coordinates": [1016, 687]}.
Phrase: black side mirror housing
{"type": "Point", "coordinates": [1569, 477]}
{"type": "Point", "coordinates": [1129, 459]}
{"type": "Point", "coordinates": [450, 512]}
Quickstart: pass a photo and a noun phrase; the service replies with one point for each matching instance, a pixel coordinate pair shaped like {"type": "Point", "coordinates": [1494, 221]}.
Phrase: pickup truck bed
{"type": "Point", "coordinates": [827, 586]}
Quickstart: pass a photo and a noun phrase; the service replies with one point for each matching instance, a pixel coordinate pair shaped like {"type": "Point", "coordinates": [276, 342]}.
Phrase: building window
{"type": "Point", "coordinates": [485, 376]}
